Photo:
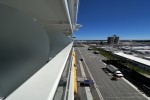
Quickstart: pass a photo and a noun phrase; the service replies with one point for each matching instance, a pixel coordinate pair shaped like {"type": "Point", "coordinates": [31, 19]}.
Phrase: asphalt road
{"type": "Point", "coordinates": [110, 90]}
{"type": "Point", "coordinates": [81, 90]}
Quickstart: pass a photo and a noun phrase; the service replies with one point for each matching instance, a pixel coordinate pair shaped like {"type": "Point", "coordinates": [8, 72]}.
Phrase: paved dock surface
{"type": "Point", "coordinates": [110, 90]}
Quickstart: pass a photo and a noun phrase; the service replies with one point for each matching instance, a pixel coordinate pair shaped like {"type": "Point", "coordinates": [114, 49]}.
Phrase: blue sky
{"type": "Point", "coordinates": [129, 19]}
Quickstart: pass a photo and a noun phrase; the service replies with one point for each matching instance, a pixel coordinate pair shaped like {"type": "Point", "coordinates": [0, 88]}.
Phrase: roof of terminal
{"type": "Point", "coordinates": [137, 59]}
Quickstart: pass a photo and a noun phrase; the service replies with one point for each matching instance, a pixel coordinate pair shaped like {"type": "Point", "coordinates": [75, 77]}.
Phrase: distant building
{"type": "Point", "coordinates": [110, 40]}
{"type": "Point", "coordinates": [116, 40]}
{"type": "Point", "coordinates": [113, 40]}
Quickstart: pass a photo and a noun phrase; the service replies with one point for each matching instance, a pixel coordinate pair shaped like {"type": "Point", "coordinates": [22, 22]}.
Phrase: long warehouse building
{"type": "Point", "coordinates": [140, 62]}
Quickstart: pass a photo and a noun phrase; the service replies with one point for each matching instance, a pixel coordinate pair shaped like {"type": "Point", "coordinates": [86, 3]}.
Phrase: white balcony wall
{"type": "Point", "coordinates": [58, 41]}
{"type": "Point", "coordinates": [24, 48]}
{"type": "Point", "coordinates": [31, 33]}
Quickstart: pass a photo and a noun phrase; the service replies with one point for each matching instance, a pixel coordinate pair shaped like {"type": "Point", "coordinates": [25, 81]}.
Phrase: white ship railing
{"type": "Point", "coordinates": [43, 84]}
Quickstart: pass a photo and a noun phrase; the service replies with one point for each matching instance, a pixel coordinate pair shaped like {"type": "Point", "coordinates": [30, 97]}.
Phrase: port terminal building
{"type": "Point", "coordinates": [139, 62]}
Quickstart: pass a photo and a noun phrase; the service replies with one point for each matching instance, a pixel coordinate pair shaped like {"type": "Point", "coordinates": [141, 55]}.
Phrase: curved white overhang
{"type": "Point", "coordinates": [53, 15]}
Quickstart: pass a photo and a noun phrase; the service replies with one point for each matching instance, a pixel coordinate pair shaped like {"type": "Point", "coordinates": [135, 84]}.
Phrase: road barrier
{"type": "Point", "coordinates": [75, 73]}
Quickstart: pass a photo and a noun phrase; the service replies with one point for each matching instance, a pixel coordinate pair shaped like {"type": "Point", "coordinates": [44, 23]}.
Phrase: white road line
{"type": "Point", "coordinates": [95, 85]}
{"type": "Point", "coordinates": [87, 89]}
{"type": "Point", "coordinates": [103, 62]}
{"type": "Point", "coordinates": [82, 70]}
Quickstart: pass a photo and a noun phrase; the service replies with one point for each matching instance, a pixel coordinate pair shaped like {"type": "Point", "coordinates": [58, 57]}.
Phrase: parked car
{"type": "Point", "coordinates": [89, 48]}
{"type": "Point", "coordinates": [81, 59]}
{"type": "Point", "coordinates": [96, 52]}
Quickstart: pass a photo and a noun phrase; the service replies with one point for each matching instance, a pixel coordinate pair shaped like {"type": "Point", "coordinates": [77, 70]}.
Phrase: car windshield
{"type": "Point", "coordinates": [118, 72]}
